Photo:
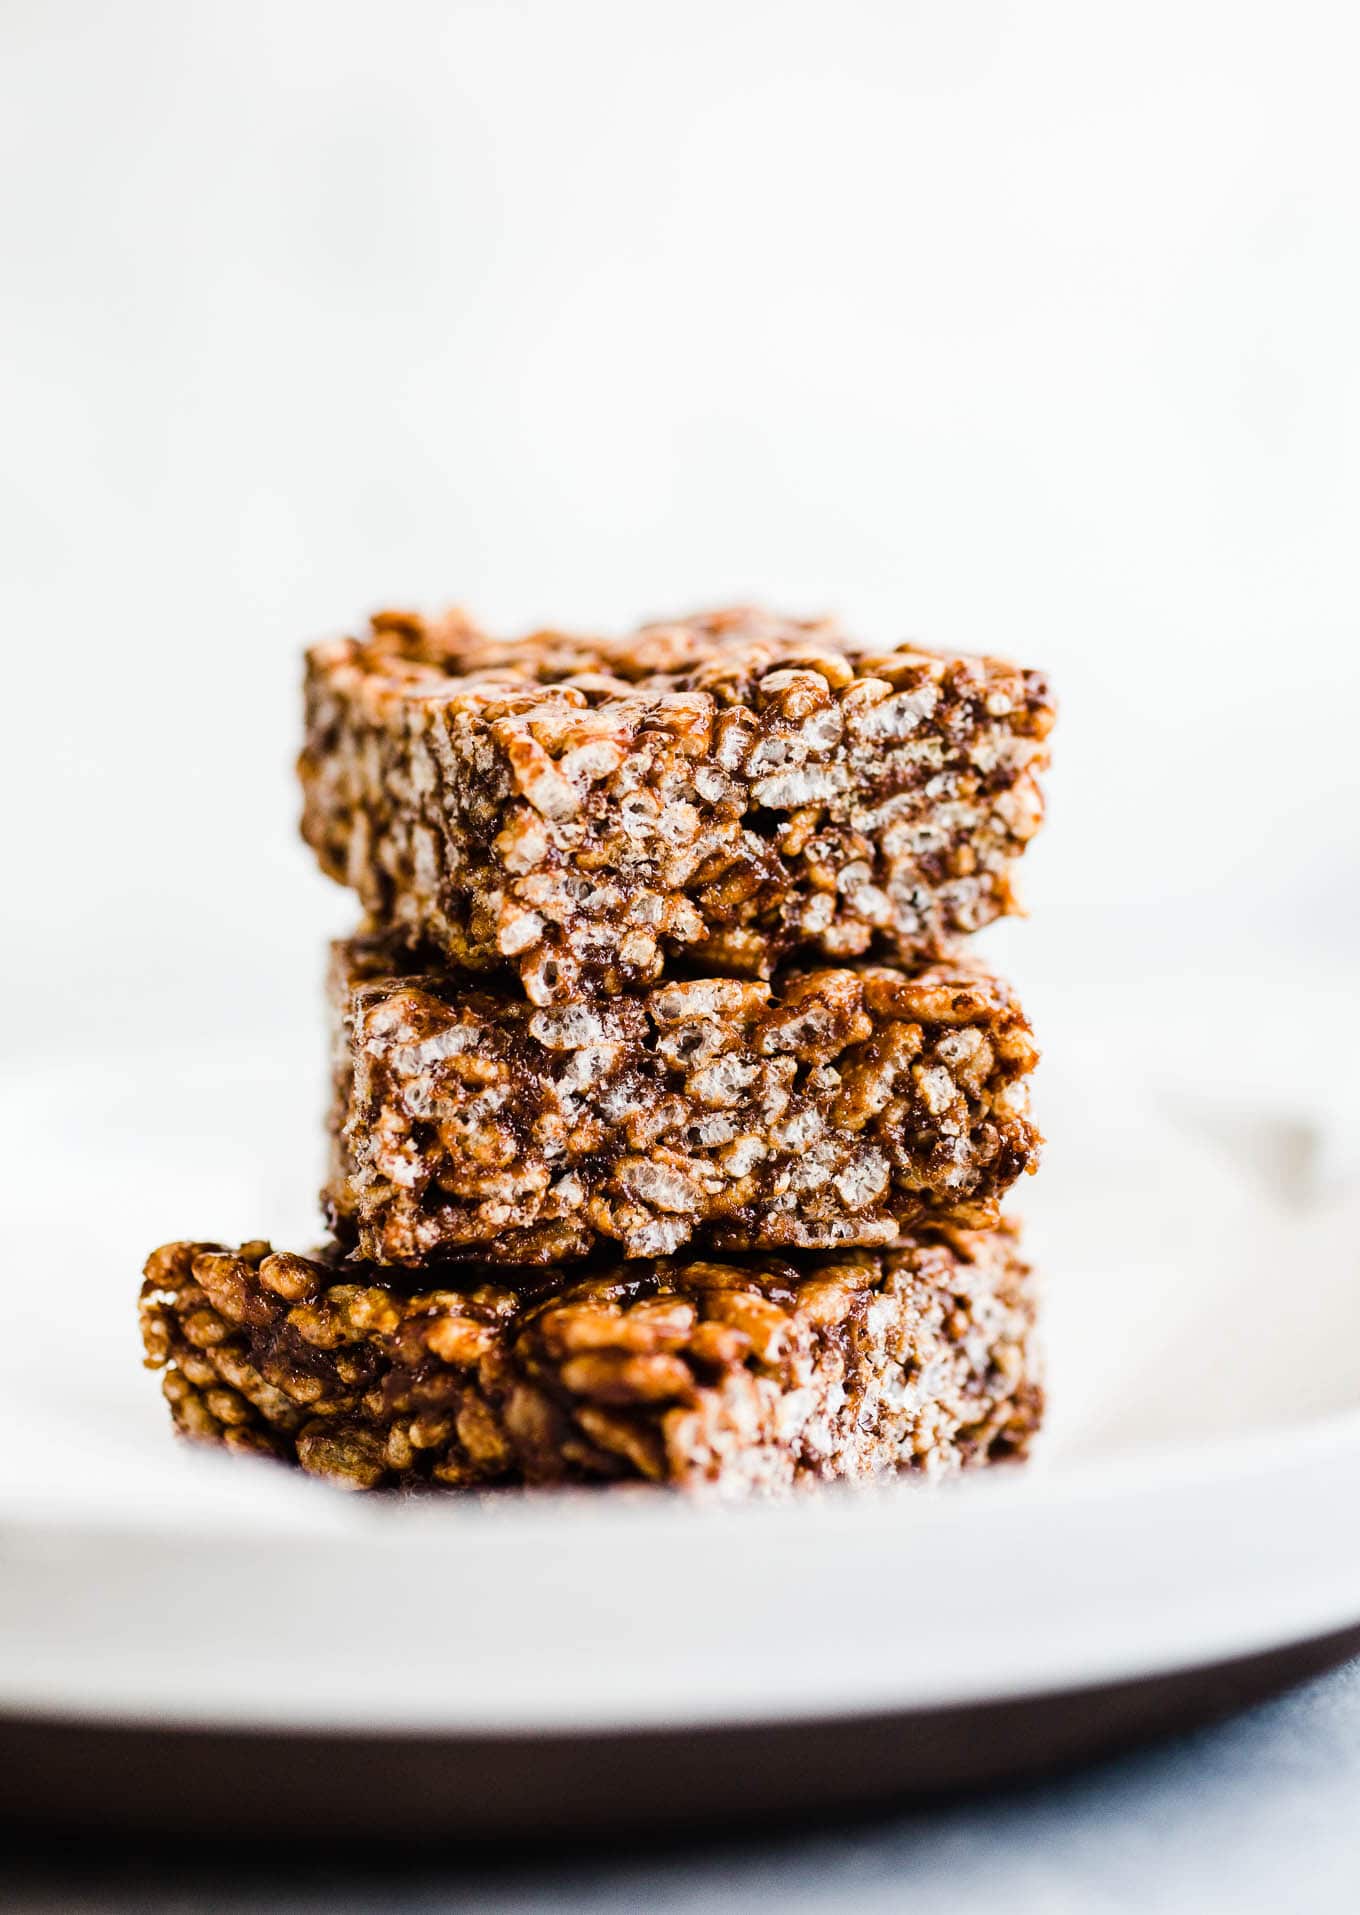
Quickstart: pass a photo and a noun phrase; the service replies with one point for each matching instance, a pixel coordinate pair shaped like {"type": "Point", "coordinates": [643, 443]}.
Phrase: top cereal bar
{"type": "Point", "coordinates": [725, 789]}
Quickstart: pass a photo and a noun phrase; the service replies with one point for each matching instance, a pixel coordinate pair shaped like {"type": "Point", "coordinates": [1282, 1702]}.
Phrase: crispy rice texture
{"type": "Point", "coordinates": [729, 789]}
{"type": "Point", "coordinates": [838, 1106]}
{"type": "Point", "coordinates": [752, 1375]}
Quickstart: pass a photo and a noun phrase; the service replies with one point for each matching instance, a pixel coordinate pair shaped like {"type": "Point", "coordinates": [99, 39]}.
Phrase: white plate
{"type": "Point", "coordinates": [1193, 1501]}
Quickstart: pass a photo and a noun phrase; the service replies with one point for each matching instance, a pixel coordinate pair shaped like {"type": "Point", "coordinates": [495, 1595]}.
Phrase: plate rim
{"type": "Point", "coordinates": [1199, 1554]}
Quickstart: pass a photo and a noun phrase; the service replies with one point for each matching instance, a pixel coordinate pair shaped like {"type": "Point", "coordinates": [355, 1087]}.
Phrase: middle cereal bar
{"type": "Point", "coordinates": [833, 1106]}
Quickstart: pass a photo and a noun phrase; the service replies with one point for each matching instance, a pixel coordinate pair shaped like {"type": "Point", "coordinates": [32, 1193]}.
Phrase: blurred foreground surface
{"type": "Point", "coordinates": [1255, 1815]}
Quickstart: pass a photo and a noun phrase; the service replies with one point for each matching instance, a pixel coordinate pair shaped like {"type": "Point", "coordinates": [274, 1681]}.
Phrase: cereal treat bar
{"type": "Point", "coordinates": [728, 789]}
{"type": "Point", "coordinates": [836, 1106]}
{"type": "Point", "coordinates": [752, 1375]}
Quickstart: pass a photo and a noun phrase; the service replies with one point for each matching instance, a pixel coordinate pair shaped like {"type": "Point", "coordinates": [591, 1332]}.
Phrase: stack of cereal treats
{"type": "Point", "coordinates": [671, 1120]}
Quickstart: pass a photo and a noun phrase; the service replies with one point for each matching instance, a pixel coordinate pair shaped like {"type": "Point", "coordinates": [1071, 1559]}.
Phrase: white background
{"type": "Point", "coordinates": [1029, 329]}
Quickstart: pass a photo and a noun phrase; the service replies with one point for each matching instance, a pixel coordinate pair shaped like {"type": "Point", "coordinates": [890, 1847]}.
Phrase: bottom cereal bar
{"type": "Point", "coordinates": [748, 1374]}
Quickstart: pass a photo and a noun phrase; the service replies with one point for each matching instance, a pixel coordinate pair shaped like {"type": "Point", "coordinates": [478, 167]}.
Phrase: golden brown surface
{"type": "Point", "coordinates": [731, 789]}
{"type": "Point", "coordinates": [749, 1374]}
{"type": "Point", "coordinates": [837, 1106]}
